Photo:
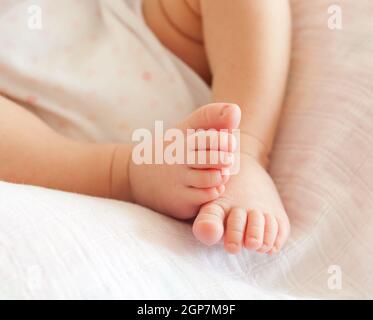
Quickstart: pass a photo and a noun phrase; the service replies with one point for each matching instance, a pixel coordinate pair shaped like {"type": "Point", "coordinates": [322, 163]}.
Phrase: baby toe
{"type": "Point", "coordinates": [210, 159]}
{"type": "Point", "coordinates": [235, 230]}
{"type": "Point", "coordinates": [254, 230]}
{"type": "Point", "coordinates": [212, 140]}
{"type": "Point", "coordinates": [198, 196]}
{"type": "Point", "coordinates": [270, 233]}
{"type": "Point", "coordinates": [208, 226]}
{"type": "Point", "coordinates": [282, 234]}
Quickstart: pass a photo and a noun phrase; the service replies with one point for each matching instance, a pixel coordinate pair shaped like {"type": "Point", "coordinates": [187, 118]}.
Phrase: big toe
{"type": "Point", "coordinates": [208, 226]}
{"type": "Point", "coordinates": [214, 116]}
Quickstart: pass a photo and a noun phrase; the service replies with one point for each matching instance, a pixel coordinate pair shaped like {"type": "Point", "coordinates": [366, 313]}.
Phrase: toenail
{"type": "Point", "coordinates": [252, 240]}
{"type": "Point", "coordinates": [232, 246]}
{"type": "Point", "coordinates": [224, 110]}
{"type": "Point", "coordinates": [220, 189]}
{"type": "Point", "coordinates": [227, 108]}
{"type": "Point", "coordinates": [264, 247]}
{"type": "Point", "coordinates": [225, 172]}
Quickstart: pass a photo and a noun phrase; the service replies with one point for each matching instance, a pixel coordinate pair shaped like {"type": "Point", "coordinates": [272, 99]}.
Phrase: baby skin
{"type": "Point", "coordinates": [246, 204]}
{"type": "Point", "coordinates": [248, 212]}
{"type": "Point", "coordinates": [242, 50]}
{"type": "Point", "coordinates": [180, 189]}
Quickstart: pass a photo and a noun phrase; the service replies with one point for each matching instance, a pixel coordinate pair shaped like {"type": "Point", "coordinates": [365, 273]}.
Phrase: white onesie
{"type": "Point", "coordinates": [94, 71]}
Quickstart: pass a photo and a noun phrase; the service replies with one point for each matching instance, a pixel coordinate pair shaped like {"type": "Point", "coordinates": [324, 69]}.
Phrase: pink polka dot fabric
{"type": "Point", "coordinates": [89, 75]}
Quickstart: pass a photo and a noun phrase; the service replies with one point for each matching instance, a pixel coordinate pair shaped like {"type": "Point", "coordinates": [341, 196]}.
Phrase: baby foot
{"type": "Point", "coordinates": [180, 189]}
{"type": "Point", "coordinates": [250, 210]}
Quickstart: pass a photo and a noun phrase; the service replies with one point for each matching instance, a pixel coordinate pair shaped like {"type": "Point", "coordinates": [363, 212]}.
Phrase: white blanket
{"type": "Point", "coordinates": [59, 245]}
